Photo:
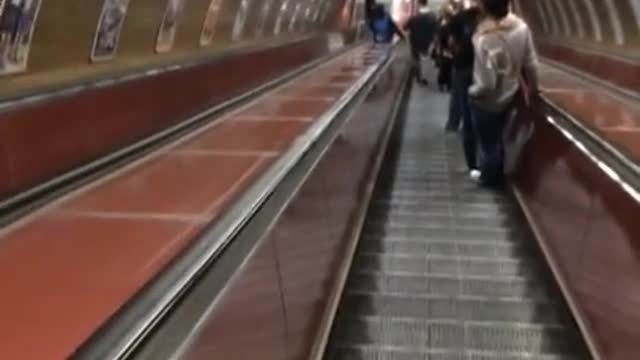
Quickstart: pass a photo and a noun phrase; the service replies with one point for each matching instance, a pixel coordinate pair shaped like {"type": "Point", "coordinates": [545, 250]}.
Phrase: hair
{"type": "Point", "coordinates": [423, 2]}
{"type": "Point", "coordinates": [496, 8]}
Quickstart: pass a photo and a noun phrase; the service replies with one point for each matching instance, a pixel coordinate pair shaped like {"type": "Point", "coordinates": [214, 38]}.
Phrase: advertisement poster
{"type": "Point", "coordinates": [294, 18]}
{"type": "Point", "coordinates": [325, 11]}
{"type": "Point", "coordinates": [169, 25]}
{"type": "Point", "coordinates": [284, 8]}
{"type": "Point", "coordinates": [210, 23]}
{"type": "Point", "coordinates": [241, 20]}
{"type": "Point", "coordinates": [346, 14]}
{"type": "Point", "coordinates": [306, 18]}
{"type": "Point", "coordinates": [358, 13]}
{"type": "Point", "coordinates": [264, 15]}
{"type": "Point", "coordinates": [317, 12]}
{"type": "Point", "coordinates": [17, 21]}
{"type": "Point", "coordinates": [107, 37]}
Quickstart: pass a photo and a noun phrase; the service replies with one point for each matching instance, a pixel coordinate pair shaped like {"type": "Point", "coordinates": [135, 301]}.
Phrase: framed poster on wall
{"type": "Point", "coordinates": [264, 16]}
{"type": "Point", "coordinates": [169, 25]}
{"type": "Point", "coordinates": [210, 23]}
{"type": "Point", "coordinates": [107, 36]}
{"type": "Point", "coordinates": [241, 20]}
{"type": "Point", "coordinates": [17, 21]}
{"type": "Point", "coordinates": [294, 17]}
{"type": "Point", "coordinates": [284, 8]}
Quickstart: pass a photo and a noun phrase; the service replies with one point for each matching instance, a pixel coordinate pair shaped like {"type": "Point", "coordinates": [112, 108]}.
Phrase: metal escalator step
{"type": "Point", "coordinates": [471, 285]}
{"type": "Point", "coordinates": [451, 188]}
{"type": "Point", "coordinates": [430, 220]}
{"type": "Point", "coordinates": [445, 270]}
{"type": "Point", "coordinates": [424, 168]}
{"type": "Point", "coordinates": [436, 236]}
{"type": "Point", "coordinates": [401, 247]}
{"type": "Point", "coordinates": [435, 195]}
{"type": "Point", "coordinates": [448, 308]}
{"type": "Point", "coordinates": [420, 205]}
{"type": "Point", "coordinates": [425, 227]}
{"type": "Point", "coordinates": [445, 265]}
{"type": "Point", "coordinates": [425, 211]}
{"type": "Point", "coordinates": [461, 336]}
{"type": "Point", "coordinates": [432, 232]}
{"type": "Point", "coordinates": [427, 181]}
{"type": "Point", "coordinates": [389, 353]}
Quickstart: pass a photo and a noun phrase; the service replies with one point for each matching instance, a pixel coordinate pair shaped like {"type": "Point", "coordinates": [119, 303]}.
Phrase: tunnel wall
{"type": "Point", "coordinates": [63, 45]}
{"type": "Point", "coordinates": [598, 37]}
{"type": "Point", "coordinates": [583, 211]}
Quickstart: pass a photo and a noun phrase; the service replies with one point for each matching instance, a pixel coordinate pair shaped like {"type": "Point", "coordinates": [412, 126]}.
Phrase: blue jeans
{"type": "Point", "coordinates": [489, 129]}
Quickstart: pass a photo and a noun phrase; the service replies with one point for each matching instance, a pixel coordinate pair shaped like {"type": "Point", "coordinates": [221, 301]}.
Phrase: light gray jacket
{"type": "Point", "coordinates": [502, 51]}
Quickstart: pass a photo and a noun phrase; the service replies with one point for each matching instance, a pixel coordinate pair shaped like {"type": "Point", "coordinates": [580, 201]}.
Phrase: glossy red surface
{"type": "Point", "coordinates": [44, 140]}
{"type": "Point", "coordinates": [176, 184]}
{"type": "Point", "coordinates": [615, 118]}
{"type": "Point", "coordinates": [249, 320]}
{"type": "Point", "coordinates": [589, 225]}
{"type": "Point", "coordinates": [621, 73]}
{"type": "Point", "coordinates": [260, 135]}
{"type": "Point", "coordinates": [67, 274]}
{"type": "Point", "coordinates": [87, 254]}
{"type": "Point", "coordinates": [310, 238]}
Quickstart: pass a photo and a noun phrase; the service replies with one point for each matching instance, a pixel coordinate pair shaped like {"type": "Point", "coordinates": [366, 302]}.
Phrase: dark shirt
{"type": "Point", "coordinates": [461, 29]}
{"type": "Point", "coordinates": [422, 29]}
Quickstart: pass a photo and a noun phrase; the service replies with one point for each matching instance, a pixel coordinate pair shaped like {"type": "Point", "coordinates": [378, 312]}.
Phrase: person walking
{"type": "Point", "coordinates": [441, 53]}
{"type": "Point", "coordinates": [461, 28]}
{"type": "Point", "coordinates": [422, 29]}
{"type": "Point", "coordinates": [505, 67]}
{"type": "Point", "coordinates": [382, 26]}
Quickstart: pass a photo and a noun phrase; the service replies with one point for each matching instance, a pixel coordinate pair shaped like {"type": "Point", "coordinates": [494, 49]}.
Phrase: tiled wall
{"type": "Point", "coordinates": [598, 37]}
{"type": "Point", "coordinates": [604, 24]}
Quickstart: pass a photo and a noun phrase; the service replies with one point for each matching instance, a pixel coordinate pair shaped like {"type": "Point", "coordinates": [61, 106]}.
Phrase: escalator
{"type": "Point", "coordinates": [445, 270]}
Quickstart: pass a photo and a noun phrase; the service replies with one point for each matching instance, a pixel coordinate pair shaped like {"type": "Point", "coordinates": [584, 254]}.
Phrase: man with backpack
{"type": "Point", "coordinates": [460, 30]}
{"type": "Point", "coordinates": [505, 68]}
{"type": "Point", "coordinates": [422, 29]}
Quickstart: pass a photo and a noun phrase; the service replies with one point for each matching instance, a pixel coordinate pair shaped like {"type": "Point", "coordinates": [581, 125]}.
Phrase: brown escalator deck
{"type": "Point", "coordinates": [445, 270]}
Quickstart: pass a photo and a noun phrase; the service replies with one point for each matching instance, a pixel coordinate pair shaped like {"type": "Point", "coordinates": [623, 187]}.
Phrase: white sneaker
{"type": "Point", "coordinates": [475, 175]}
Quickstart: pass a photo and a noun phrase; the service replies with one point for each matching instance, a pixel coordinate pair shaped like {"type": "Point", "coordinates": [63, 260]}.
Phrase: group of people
{"type": "Point", "coordinates": [486, 58]}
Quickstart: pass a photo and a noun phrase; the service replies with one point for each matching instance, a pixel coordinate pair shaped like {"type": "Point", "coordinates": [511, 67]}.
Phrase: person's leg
{"type": "Point", "coordinates": [416, 55]}
{"type": "Point", "coordinates": [470, 141]}
{"type": "Point", "coordinates": [448, 73]}
{"type": "Point", "coordinates": [441, 72]}
{"type": "Point", "coordinates": [489, 127]}
{"type": "Point", "coordinates": [466, 78]}
{"type": "Point", "coordinates": [455, 107]}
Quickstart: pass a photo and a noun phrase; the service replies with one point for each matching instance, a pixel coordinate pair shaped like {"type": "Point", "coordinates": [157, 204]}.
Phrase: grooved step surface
{"type": "Point", "coordinates": [444, 269]}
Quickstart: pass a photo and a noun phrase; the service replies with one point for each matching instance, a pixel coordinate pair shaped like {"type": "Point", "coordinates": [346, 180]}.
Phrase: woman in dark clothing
{"type": "Point", "coordinates": [442, 55]}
